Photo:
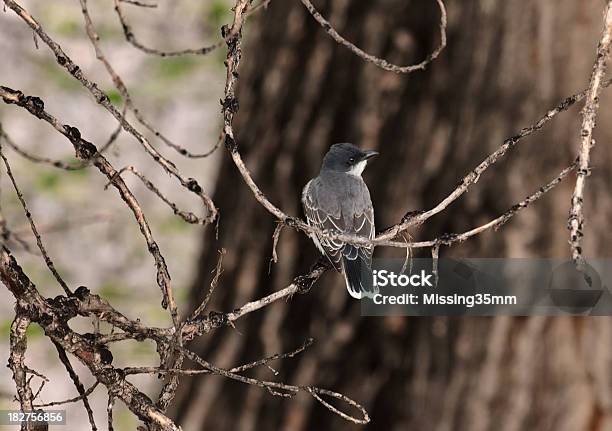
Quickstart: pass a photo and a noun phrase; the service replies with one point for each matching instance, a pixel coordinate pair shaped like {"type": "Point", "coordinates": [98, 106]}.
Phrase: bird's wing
{"type": "Point", "coordinates": [324, 219]}
{"type": "Point", "coordinates": [331, 216]}
{"type": "Point", "coordinates": [363, 226]}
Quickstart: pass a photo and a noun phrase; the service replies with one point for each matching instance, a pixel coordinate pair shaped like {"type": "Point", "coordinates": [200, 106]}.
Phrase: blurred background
{"type": "Point", "coordinates": [505, 65]}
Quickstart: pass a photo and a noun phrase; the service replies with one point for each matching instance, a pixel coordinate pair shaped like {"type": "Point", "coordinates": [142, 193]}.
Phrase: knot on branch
{"type": "Point", "coordinates": [192, 185]}
{"type": "Point", "coordinates": [410, 215]}
{"type": "Point", "coordinates": [35, 104]}
{"type": "Point", "coordinates": [230, 103]}
{"type": "Point", "coordinates": [74, 69]}
{"type": "Point", "coordinates": [102, 97]}
{"type": "Point", "coordinates": [91, 337]}
{"type": "Point", "coordinates": [73, 134]}
{"type": "Point", "coordinates": [101, 352]}
{"type": "Point", "coordinates": [231, 41]}
{"type": "Point", "coordinates": [447, 238]}
{"type": "Point", "coordinates": [230, 144]}
{"type": "Point", "coordinates": [81, 293]}
{"type": "Point", "coordinates": [217, 319]}
{"type": "Point", "coordinates": [45, 319]}
{"type": "Point", "coordinates": [304, 283]}
{"type": "Point", "coordinates": [224, 31]}
{"type": "Point", "coordinates": [291, 222]}
{"type": "Point", "coordinates": [513, 140]}
{"type": "Point", "coordinates": [12, 96]}
{"type": "Point", "coordinates": [65, 307]}
{"type": "Point", "coordinates": [105, 355]}
{"type": "Point", "coordinates": [583, 172]}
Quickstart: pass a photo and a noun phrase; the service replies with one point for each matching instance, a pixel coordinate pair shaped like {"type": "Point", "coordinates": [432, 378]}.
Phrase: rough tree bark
{"type": "Point", "coordinates": [506, 63]}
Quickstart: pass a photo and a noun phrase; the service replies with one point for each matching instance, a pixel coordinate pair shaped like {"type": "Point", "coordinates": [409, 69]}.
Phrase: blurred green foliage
{"type": "Point", "coordinates": [217, 14]}
{"type": "Point", "coordinates": [69, 27]}
{"type": "Point", "coordinates": [52, 181]}
{"type": "Point", "coordinates": [113, 290]}
{"type": "Point", "coordinates": [124, 418]}
{"type": "Point", "coordinates": [173, 224]}
{"type": "Point", "coordinates": [47, 181]}
{"type": "Point", "coordinates": [173, 68]}
{"type": "Point", "coordinates": [59, 76]}
{"type": "Point", "coordinates": [33, 330]}
{"type": "Point", "coordinates": [77, 174]}
{"type": "Point", "coordinates": [115, 97]}
{"type": "Point", "coordinates": [144, 349]}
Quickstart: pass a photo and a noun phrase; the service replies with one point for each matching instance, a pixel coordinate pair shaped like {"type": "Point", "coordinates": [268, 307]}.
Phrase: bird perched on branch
{"type": "Point", "coordinates": [338, 202]}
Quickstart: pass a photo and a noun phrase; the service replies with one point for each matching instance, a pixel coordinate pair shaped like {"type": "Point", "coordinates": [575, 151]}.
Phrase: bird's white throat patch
{"type": "Point", "coordinates": [358, 168]}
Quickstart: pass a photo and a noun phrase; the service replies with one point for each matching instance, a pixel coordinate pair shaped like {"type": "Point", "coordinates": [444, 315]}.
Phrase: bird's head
{"type": "Point", "coordinates": [347, 158]}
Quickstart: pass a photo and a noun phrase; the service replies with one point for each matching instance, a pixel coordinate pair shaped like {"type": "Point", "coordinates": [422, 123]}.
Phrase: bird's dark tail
{"type": "Point", "coordinates": [357, 276]}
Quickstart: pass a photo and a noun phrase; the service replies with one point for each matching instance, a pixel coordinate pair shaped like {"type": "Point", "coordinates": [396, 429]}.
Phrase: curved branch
{"type": "Point", "coordinates": [382, 63]}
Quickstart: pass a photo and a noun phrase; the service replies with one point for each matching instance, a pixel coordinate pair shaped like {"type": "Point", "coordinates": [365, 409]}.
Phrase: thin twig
{"type": "Point", "coordinates": [85, 150]}
{"type": "Point", "coordinates": [131, 38]}
{"type": "Point", "coordinates": [275, 238]}
{"type": "Point", "coordinates": [28, 215]}
{"type": "Point", "coordinates": [383, 64]}
{"type": "Point", "coordinates": [71, 400]}
{"type": "Point", "coordinates": [287, 390]}
{"type": "Point", "coordinates": [122, 88]}
{"type": "Point", "coordinates": [77, 383]}
{"type": "Point", "coordinates": [109, 411]}
{"type": "Point", "coordinates": [435, 255]}
{"type": "Point", "coordinates": [53, 316]}
{"type": "Point", "coordinates": [239, 369]}
{"type": "Point", "coordinates": [102, 99]}
{"type": "Point", "coordinates": [187, 216]}
{"type": "Point", "coordinates": [211, 289]}
{"type": "Point", "coordinates": [139, 3]}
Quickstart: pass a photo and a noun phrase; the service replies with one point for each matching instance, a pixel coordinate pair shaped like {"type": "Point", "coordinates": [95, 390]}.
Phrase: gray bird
{"type": "Point", "coordinates": [338, 201]}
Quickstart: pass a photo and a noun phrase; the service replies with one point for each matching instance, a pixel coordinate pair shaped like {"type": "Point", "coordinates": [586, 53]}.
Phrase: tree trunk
{"type": "Point", "coordinates": [506, 64]}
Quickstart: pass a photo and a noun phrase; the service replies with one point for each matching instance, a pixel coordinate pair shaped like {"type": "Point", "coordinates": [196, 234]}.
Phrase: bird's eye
{"type": "Point", "coordinates": [352, 160]}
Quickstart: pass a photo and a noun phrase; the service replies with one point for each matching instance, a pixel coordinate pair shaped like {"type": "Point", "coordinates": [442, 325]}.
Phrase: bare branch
{"type": "Point", "coordinates": [211, 290]}
{"type": "Point", "coordinates": [589, 114]}
{"type": "Point", "coordinates": [77, 383]}
{"type": "Point", "coordinates": [496, 223]}
{"type": "Point", "coordinates": [122, 88]}
{"type": "Point", "coordinates": [287, 390]}
{"type": "Point", "coordinates": [28, 215]}
{"type": "Point", "coordinates": [53, 316]}
{"type": "Point", "coordinates": [131, 38]}
{"type": "Point", "coordinates": [102, 99]}
{"type": "Point", "coordinates": [18, 345]}
{"type": "Point", "coordinates": [139, 3]}
{"type": "Point", "coordinates": [85, 150]}
{"type": "Point", "coordinates": [386, 237]}
{"type": "Point", "coordinates": [187, 216]}
{"type": "Point", "coordinates": [109, 411]}
{"type": "Point", "coordinates": [383, 64]}
{"type": "Point", "coordinates": [71, 400]}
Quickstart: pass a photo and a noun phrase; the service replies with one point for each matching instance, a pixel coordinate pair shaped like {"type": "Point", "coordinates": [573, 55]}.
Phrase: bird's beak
{"type": "Point", "coordinates": [368, 154]}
